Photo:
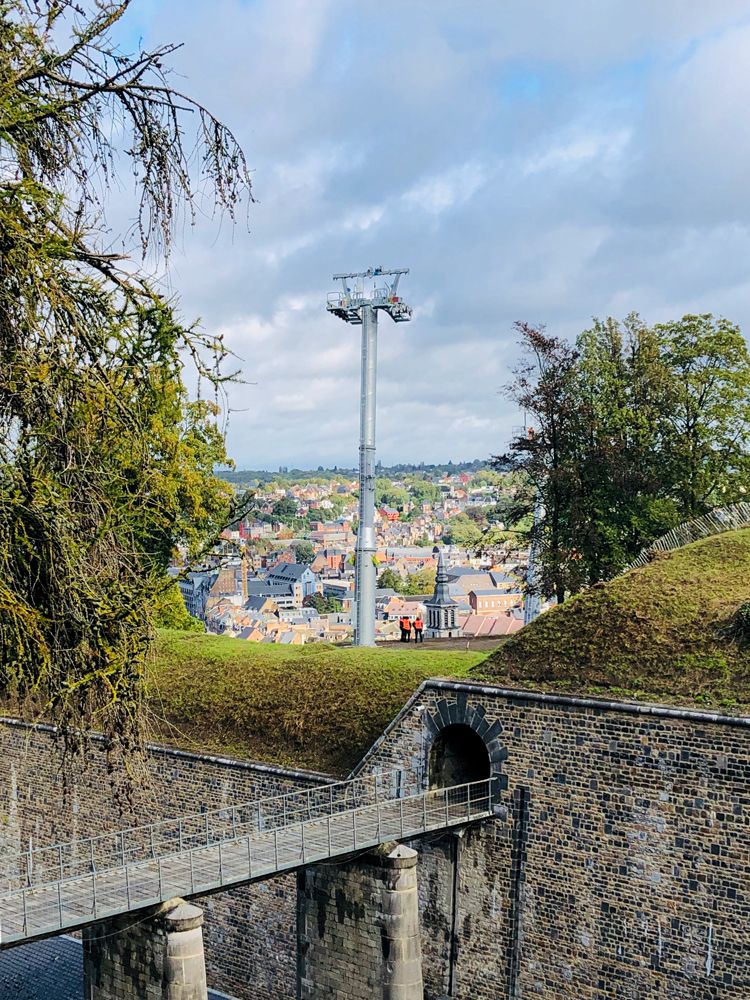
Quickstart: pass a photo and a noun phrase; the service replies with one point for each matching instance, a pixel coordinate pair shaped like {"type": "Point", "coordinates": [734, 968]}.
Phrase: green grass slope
{"type": "Point", "coordinates": [657, 633]}
{"type": "Point", "coordinates": [311, 706]}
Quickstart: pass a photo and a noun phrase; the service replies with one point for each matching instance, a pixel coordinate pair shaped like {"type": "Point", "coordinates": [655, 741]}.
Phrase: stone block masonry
{"type": "Point", "coordinates": [249, 933]}
{"type": "Point", "coordinates": [159, 957]}
{"type": "Point", "coordinates": [359, 929]}
{"type": "Point", "coordinates": [618, 865]}
{"type": "Point", "coordinates": [34, 804]}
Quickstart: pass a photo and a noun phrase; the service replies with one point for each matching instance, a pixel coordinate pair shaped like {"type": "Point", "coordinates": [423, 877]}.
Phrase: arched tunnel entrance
{"type": "Point", "coordinates": [458, 756]}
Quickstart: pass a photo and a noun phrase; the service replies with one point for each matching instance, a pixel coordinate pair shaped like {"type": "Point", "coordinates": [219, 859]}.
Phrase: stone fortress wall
{"type": "Point", "coordinates": [250, 932]}
{"type": "Point", "coordinates": [618, 865]}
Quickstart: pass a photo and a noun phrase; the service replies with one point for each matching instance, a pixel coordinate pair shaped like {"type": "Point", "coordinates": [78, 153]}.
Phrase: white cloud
{"type": "Point", "coordinates": [362, 219]}
{"type": "Point", "coordinates": [441, 192]}
{"type": "Point", "coordinates": [526, 159]}
{"type": "Point", "coordinates": [581, 151]}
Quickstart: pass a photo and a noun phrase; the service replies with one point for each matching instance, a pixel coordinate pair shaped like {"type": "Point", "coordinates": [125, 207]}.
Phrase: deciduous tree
{"type": "Point", "coordinates": [420, 582]}
{"type": "Point", "coordinates": [303, 552]}
{"type": "Point", "coordinates": [709, 411]}
{"type": "Point", "coordinates": [632, 431]}
{"type": "Point", "coordinates": [390, 580]}
{"type": "Point", "coordinates": [285, 510]}
{"type": "Point", "coordinates": [544, 387]}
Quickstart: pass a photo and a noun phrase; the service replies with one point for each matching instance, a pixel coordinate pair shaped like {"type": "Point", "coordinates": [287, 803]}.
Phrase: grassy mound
{"type": "Point", "coordinates": [667, 632]}
{"type": "Point", "coordinates": [674, 631]}
{"type": "Point", "coordinates": [310, 706]}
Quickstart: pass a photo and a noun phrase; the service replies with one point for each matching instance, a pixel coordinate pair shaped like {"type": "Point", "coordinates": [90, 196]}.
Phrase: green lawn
{"type": "Point", "coordinates": [309, 706]}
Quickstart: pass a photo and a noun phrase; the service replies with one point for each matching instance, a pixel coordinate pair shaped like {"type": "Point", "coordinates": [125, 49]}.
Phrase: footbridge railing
{"type": "Point", "coordinates": [67, 886]}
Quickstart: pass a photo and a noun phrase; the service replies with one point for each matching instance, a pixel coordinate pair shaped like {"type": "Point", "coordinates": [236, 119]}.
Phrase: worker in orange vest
{"type": "Point", "coordinates": [407, 628]}
{"type": "Point", "coordinates": [418, 628]}
{"type": "Point", "coordinates": [402, 626]}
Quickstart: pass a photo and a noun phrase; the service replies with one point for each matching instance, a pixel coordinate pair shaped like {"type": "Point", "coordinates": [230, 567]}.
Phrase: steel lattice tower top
{"type": "Point", "coordinates": [359, 301]}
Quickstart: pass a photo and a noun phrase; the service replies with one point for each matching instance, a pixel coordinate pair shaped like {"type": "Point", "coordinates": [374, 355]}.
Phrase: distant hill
{"type": "Point", "coordinates": [340, 472]}
{"type": "Point", "coordinates": [663, 632]}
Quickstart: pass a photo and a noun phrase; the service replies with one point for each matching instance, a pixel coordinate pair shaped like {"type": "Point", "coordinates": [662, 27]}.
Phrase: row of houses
{"type": "Point", "coordinates": [267, 623]}
{"type": "Point", "coordinates": [252, 578]}
{"type": "Point", "coordinates": [234, 599]}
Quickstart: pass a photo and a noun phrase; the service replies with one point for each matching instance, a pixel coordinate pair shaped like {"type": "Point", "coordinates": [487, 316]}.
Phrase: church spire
{"type": "Point", "coordinates": [441, 608]}
{"type": "Point", "coordinates": [442, 595]}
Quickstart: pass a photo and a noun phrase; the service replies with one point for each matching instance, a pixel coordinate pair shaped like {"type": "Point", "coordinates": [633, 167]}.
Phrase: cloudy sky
{"type": "Point", "coordinates": [527, 159]}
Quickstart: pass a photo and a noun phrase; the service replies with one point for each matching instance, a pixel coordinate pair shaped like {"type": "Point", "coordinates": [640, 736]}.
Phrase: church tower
{"type": "Point", "coordinates": [441, 608]}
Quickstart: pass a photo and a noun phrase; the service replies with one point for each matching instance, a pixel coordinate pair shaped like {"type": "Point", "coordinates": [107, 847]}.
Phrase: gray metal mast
{"type": "Point", "coordinates": [358, 302]}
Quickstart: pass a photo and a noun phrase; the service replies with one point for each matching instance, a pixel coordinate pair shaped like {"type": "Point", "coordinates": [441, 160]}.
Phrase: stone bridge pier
{"type": "Point", "coordinates": [358, 938]}
{"type": "Point", "coordinates": [358, 928]}
{"type": "Point", "coordinates": [153, 956]}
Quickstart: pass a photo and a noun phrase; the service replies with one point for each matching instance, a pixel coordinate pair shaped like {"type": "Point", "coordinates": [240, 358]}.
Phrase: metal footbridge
{"type": "Point", "coordinates": [47, 890]}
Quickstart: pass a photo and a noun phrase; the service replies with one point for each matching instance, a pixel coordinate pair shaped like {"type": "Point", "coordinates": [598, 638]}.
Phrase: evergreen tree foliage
{"type": "Point", "coordinates": [105, 462]}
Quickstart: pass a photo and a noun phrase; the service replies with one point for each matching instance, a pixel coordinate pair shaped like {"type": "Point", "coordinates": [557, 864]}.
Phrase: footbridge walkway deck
{"type": "Point", "coordinates": [65, 887]}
